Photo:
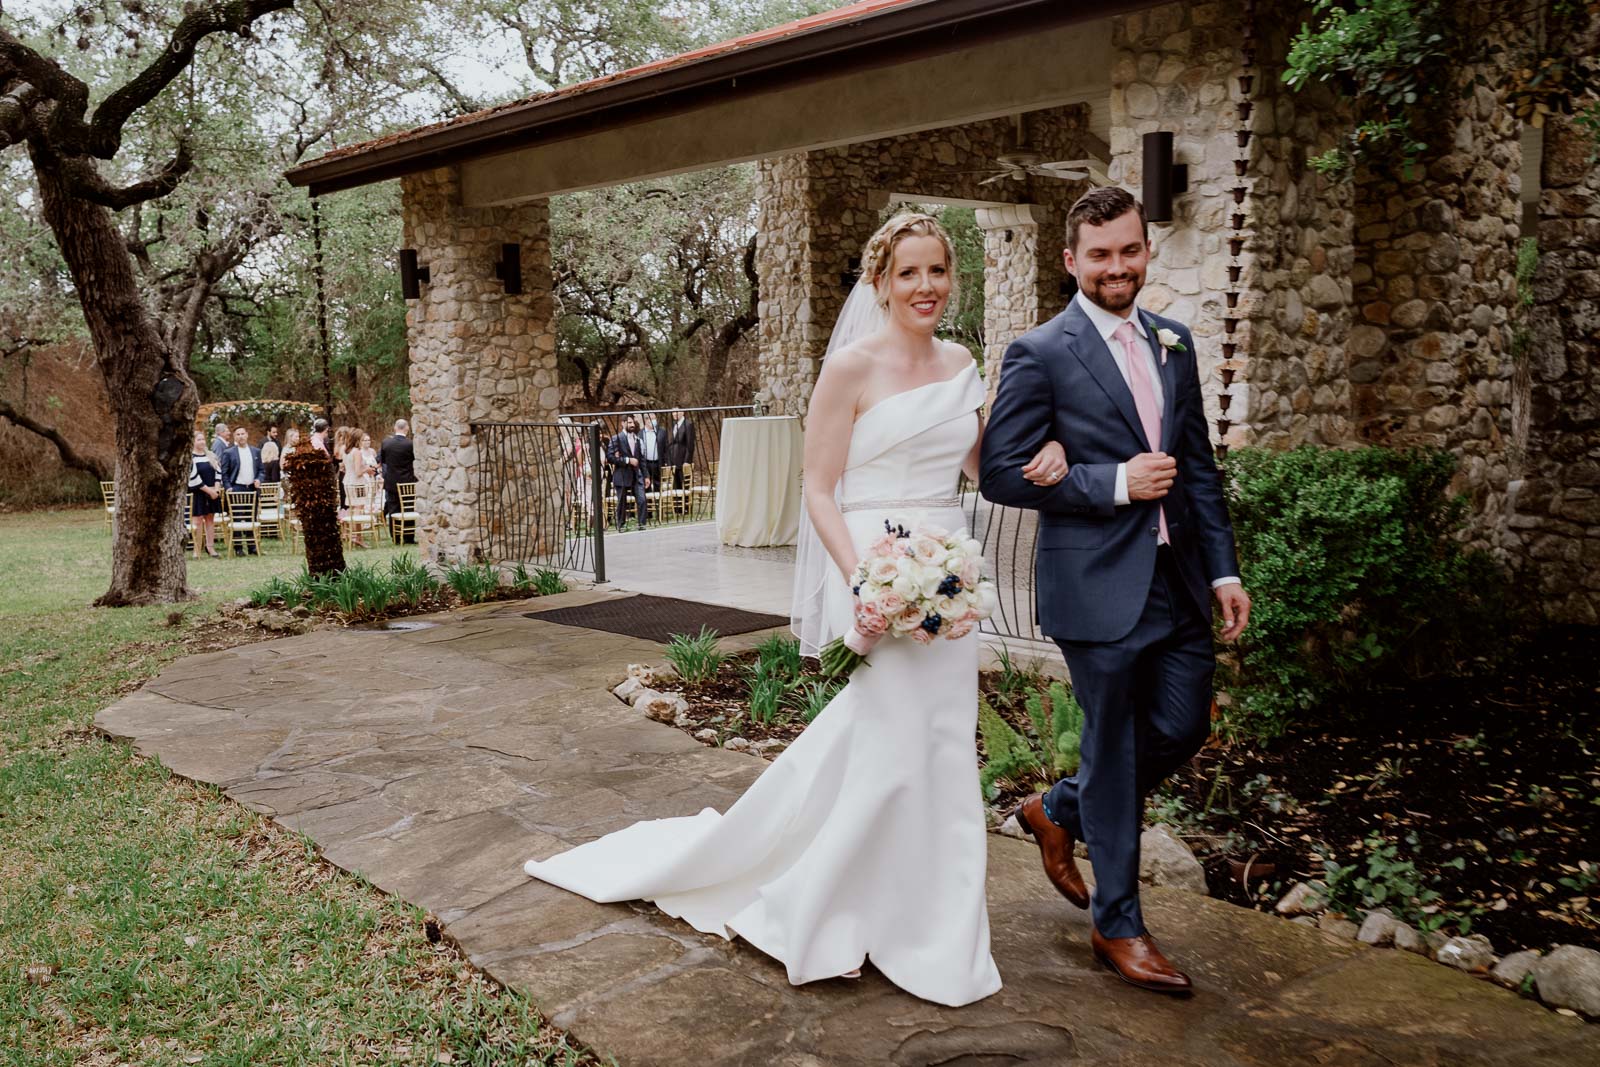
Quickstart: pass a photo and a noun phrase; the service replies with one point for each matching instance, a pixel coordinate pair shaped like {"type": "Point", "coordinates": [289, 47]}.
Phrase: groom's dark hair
{"type": "Point", "coordinates": [1098, 207]}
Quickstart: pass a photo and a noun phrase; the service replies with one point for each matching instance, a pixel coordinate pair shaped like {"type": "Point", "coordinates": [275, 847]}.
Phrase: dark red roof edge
{"type": "Point", "coordinates": [858, 36]}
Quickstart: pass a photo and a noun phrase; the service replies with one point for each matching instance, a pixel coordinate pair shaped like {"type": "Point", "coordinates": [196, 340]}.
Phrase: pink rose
{"type": "Point", "coordinates": [957, 630]}
{"type": "Point", "coordinates": [891, 604]}
{"type": "Point", "coordinates": [870, 621]}
{"type": "Point", "coordinates": [971, 571]}
{"type": "Point", "coordinates": [921, 636]}
{"type": "Point", "coordinates": [883, 546]}
{"type": "Point", "coordinates": [902, 546]}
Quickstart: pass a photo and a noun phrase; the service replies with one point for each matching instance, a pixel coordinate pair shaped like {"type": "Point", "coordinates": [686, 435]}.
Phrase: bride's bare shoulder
{"type": "Point", "coordinates": [957, 356]}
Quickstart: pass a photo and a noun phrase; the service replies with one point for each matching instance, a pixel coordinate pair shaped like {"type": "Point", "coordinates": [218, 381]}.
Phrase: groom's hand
{"type": "Point", "coordinates": [1235, 604]}
{"type": "Point", "coordinates": [1150, 475]}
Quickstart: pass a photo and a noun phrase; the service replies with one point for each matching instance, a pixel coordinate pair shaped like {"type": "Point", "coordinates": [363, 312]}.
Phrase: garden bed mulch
{"type": "Point", "coordinates": [1502, 774]}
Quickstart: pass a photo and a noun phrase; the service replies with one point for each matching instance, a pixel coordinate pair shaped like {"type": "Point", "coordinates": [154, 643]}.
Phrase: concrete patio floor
{"type": "Point", "coordinates": [434, 762]}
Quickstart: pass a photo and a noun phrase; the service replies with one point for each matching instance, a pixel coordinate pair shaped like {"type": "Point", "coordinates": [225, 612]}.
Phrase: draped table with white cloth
{"type": "Point", "coordinates": [758, 481]}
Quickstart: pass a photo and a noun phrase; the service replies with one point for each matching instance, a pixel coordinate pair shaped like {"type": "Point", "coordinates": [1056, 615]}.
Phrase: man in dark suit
{"type": "Point", "coordinates": [1134, 543]}
{"type": "Point", "coordinates": [679, 451]}
{"type": "Point", "coordinates": [397, 460]}
{"type": "Point", "coordinates": [626, 453]}
{"type": "Point", "coordinates": [241, 473]}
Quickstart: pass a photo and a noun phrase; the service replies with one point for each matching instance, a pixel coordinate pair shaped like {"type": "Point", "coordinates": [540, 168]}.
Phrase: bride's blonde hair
{"type": "Point", "coordinates": [877, 258]}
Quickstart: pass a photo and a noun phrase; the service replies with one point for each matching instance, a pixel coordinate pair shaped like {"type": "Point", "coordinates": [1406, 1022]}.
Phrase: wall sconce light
{"type": "Point", "coordinates": [509, 269]}
{"type": "Point", "coordinates": [411, 274]}
{"type": "Point", "coordinates": [851, 273]}
{"type": "Point", "coordinates": [1163, 179]}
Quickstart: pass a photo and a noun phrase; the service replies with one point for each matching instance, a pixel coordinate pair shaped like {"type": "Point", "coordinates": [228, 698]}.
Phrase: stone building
{"type": "Point", "coordinates": [1333, 314]}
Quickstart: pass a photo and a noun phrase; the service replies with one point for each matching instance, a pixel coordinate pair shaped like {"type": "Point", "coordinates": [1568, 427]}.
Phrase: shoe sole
{"type": "Point", "coordinates": [1027, 828]}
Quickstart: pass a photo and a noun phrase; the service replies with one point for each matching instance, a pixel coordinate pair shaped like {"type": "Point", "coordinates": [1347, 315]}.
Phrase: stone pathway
{"type": "Point", "coordinates": [435, 761]}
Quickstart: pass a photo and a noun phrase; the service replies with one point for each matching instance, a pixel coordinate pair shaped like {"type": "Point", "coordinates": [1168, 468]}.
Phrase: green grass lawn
{"type": "Point", "coordinates": [149, 920]}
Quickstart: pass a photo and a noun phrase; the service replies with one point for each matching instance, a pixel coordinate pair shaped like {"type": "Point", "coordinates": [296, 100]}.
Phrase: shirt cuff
{"type": "Point", "coordinates": [1231, 579]}
{"type": "Point", "coordinates": [1119, 494]}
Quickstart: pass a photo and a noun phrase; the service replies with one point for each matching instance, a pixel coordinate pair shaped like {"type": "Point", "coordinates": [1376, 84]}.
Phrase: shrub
{"type": "Point", "coordinates": [1014, 678]}
{"type": "Point", "coordinates": [472, 582]}
{"type": "Point", "coordinates": [810, 699]}
{"type": "Point", "coordinates": [1008, 756]}
{"type": "Point", "coordinates": [1058, 721]}
{"type": "Point", "coordinates": [416, 586]}
{"type": "Point", "coordinates": [544, 582]}
{"type": "Point", "coordinates": [275, 589]}
{"type": "Point", "coordinates": [1386, 880]}
{"type": "Point", "coordinates": [779, 655]}
{"type": "Point", "coordinates": [1354, 576]}
{"type": "Point", "coordinates": [767, 695]}
{"type": "Point", "coordinates": [695, 658]}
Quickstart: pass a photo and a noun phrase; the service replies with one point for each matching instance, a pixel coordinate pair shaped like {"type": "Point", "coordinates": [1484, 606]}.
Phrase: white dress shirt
{"type": "Point", "coordinates": [650, 444]}
{"type": "Point", "coordinates": [1106, 323]}
{"type": "Point", "coordinates": [247, 467]}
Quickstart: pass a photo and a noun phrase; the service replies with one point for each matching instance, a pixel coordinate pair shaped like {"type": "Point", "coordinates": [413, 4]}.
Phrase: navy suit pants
{"type": "Point", "coordinates": [1146, 702]}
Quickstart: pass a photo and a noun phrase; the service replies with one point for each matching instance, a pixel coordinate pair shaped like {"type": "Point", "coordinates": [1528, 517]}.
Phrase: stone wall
{"type": "Point", "coordinates": [477, 354]}
{"type": "Point", "coordinates": [1174, 68]}
{"type": "Point", "coordinates": [818, 209]}
{"type": "Point", "coordinates": [1553, 515]}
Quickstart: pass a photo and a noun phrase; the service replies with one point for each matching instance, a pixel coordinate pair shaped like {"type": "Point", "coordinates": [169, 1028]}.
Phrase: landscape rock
{"type": "Point", "coordinates": [628, 688]}
{"type": "Point", "coordinates": [1165, 860]}
{"type": "Point", "coordinates": [1511, 971]}
{"type": "Point", "coordinates": [1301, 899]}
{"type": "Point", "coordinates": [1473, 954]}
{"type": "Point", "coordinates": [707, 736]}
{"type": "Point", "coordinates": [1378, 928]}
{"type": "Point", "coordinates": [769, 746]}
{"type": "Point", "coordinates": [736, 744]}
{"type": "Point", "coordinates": [1570, 978]}
{"type": "Point", "coordinates": [1337, 925]}
{"type": "Point", "coordinates": [662, 707]}
{"type": "Point", "coordinates": [1009, 827]}
{"type": "Point", "coordinates": [652, 676]}
{"type": "Point", "coordinates": [1406, 938]}
{"type": "Point", "coordinates": [1304, 920]}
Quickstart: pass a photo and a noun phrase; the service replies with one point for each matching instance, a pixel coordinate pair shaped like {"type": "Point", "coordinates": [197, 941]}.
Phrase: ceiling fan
{"type": "Point", "coordinates": [1021, 159]}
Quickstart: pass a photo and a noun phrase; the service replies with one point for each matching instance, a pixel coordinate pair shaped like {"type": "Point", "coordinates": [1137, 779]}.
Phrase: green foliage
{"type": "Point", "coordinates": [1009, 758]}
{"type": "Point", "coordinates": [1015, 678]}
{"type": "Point", "coordinates": [544, 582]}
{"type": "Point", "coordinates": [779, 655]}
{"type": "Point", "coordinates": [1392, 60]}
{"type": "Point", "coordinates": [1355, 578]}
{"type": "Point", "coordinates": [810, 698]}
{"type": "Point", "coordinates": [695, 658]}
{"type": "Point", "coordinates": [1058, 723]}
{"type": "Point", "coordinates": [472, 582]}
{"type": "Point", "coordinates": [275, 589]}
{"type": "Point", "coordinates": [1386, 880]}
{"type": "Point", "coordinates": [768, 694]}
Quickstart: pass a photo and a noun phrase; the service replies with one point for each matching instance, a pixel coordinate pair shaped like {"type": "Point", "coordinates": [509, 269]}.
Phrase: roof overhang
{"type": "Point", "coordinates": [918, 65]}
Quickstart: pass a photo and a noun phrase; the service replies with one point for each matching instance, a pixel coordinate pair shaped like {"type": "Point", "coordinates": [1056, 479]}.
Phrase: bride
{"type": "Point", "coordinates": [865, 839]}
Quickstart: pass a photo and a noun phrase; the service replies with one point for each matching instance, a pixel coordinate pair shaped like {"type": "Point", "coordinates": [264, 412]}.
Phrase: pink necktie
{"type": "Point", "coordinates": [1144, 398]}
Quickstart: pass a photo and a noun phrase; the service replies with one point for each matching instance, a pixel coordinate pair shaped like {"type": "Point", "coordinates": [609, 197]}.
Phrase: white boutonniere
{"type": "Point", "coordinates": [1169, 341]}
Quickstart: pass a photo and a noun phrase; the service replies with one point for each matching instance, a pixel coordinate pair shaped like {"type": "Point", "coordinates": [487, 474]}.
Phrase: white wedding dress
{"type": "Point", "coordinates": [866, 837]}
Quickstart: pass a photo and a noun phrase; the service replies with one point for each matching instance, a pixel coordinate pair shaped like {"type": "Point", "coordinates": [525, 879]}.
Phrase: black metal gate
{"type": "Point", "coordinates": [541, 497]}
{"type": "Point", "coordinates": [1008, 536]}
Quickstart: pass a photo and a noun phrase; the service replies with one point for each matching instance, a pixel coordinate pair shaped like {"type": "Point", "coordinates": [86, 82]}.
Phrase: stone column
{"type": "Point", "coordinates": [1171, 69]}
{"type": "Point", "coordinates": [477, 354]}
{"type": "Point", "coordinates": [1011, 298]}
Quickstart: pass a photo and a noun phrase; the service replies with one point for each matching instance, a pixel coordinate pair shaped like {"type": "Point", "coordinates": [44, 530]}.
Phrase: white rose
{"type": "Point", "coordinates": [869, 593]}
{"type": "Point", "coordinates": [930, 552]}
{"type": "Point", "coordinates": [949, 607]}
{"type": "Point", "coordinates": [883, 570]}
{"type": "Point", "coordinates": [905, 585]}
{"type": "Point", "coordinates": [972, 548]}
{"type": "Point", "coordinates": [954, 563]}
{"type": "Point", "coordinates": [1168, 338]}
{"type": "Point", "coordinates": [988, 599]}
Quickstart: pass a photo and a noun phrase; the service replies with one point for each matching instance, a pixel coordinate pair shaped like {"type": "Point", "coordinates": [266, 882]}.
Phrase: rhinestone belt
{"type": "Point", "coordinates": [891, 505]}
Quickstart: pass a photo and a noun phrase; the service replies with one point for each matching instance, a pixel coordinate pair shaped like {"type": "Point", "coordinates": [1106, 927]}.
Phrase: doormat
{"type": "Point", "coordinates": [658, 618]}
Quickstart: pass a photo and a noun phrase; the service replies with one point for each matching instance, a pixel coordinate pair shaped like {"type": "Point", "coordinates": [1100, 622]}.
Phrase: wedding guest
{"type": "Point", "coordinates": [397, 459]}
{"type": "Point", "coordinates": [679, 452]}
{"type": "Point", "coordinates": [291, 441]}
{"type": "Point", "coordinates": [270, 469]}
{"type": "Point", "coordinates": [205, 495]}
{"type": "Point", "coordinates": [652, 445]}
{"type": "Point", "coordinates": [355, 482]}
{"type": "Point", "coordinates": [627, 477]}
{"type": "Point", "coordinates": [319, 434]}
{"type": "Point", "coordinates": [221, 442]}
{"type": "Point", "coordinates": [369, 459]}
{"type": "Point", "coordinates": [241, 473]}
{"type": "Point", "coordinates": [341, 445]}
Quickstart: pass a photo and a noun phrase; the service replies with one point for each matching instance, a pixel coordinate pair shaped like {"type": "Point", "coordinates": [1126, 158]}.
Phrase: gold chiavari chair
{"type": "Point", "coordinates": [358, 518]}
{"type": "Point", "coordinates": [244, 525]}
{"type": "Point", "coordinates": [271, 514]}
{"type": "Point", "coordinates": [108, 502]}
{"type": "Point", "coordinates": [403, 523]}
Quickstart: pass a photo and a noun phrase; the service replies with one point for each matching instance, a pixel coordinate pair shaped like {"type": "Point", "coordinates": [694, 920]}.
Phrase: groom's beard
{"type": "Point", "coordinates": [1114, 301]}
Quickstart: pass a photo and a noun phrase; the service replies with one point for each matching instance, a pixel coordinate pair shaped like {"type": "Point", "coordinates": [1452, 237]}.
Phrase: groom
{"type": "Point", "coordinates": [1134, 542]}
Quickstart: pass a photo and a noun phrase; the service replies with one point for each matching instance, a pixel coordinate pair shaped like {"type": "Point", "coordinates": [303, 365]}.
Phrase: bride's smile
{"type": "Point", "coordinates": [919, 286]}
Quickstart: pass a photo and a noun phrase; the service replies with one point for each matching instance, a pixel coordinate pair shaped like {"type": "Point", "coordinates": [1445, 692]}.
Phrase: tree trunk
{"type": "Point", "coordinates": [153, 399]}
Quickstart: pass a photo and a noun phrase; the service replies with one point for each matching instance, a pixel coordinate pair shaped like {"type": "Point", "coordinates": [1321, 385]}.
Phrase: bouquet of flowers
{"type": "Point", "coordinates": [920, 583]}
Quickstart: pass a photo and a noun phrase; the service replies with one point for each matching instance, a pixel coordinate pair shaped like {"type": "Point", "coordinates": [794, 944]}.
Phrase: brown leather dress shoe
{"type": "Point", "coordinates": [1055, 846]}
{"type": "Point", "coordinates": [1138, 961]}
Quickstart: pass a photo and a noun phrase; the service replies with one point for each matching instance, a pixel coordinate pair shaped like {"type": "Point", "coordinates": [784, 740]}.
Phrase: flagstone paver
{"type": "Point", "coordinates": [435, 761]}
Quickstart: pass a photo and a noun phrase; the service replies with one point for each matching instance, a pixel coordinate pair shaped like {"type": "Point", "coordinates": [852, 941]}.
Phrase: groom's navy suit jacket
{"type": "Point", "coordinates": [1095, 560]}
